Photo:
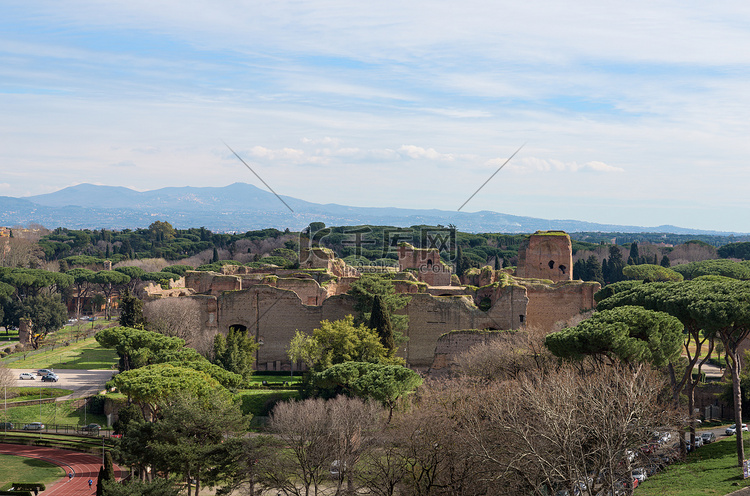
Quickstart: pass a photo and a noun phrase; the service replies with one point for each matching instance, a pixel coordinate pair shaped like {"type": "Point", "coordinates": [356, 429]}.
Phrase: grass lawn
{"type": "Point", "coordinates": [275, 379]}
{"type": "Point", "coordinates": [32, 393]}
{"type": "Point", "coordinates": [259, 402]}
{"type": "Point", "coordinates": [20, 469]}
{"type": "Point", "coordinates": [85, 354]}
{"type": "Point", "coordinates": [710, 470]}
{"type": "Point", "coordinates": [8, 335]}
{"type": "Point", "coordinates": [58, 413]}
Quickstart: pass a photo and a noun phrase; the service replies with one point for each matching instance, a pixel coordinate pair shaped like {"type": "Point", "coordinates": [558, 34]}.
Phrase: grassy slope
{"type": "Point", "coordinates": [32, 393]}
{"type": "Point", "coordinates": [20, 469]}
{"type": "Point", "coordinates": [709, 470]}
{"type": "Point", "coordinates": [258, 402]}
{"type": "Point", "coordinates": [58, 413]}
{"type": "Point", "coordinates": [85, 354]}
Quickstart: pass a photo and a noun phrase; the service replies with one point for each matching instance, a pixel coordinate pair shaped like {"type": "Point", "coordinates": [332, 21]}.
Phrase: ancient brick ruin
{"type": "Point", "coordinates": [273, 303]}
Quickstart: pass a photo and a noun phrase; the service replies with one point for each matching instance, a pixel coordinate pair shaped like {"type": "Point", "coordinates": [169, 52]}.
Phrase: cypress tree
{"type": "Point", "coordinates": [615, 265]}
{"type": "Point", "coordinates": [594, 270]}
{"type": "Point", "coordinates": [380, 320]}
{"type": "Point", "coordinates": [634, 258]}
{"type": "Point", "coordinates": [460, 266]}
{"type": "Point", "coordinates": [215, 258]}
{"type": "Point", "coordinates": [131, 311]}
{"type": "Point", "coordinates": [100, 482]}
{"type": "Point", "coordinates": [579, 270]}
{"type": "Point", "coordinates": [665, 262]}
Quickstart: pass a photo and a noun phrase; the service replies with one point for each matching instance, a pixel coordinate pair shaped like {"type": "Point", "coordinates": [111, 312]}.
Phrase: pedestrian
{"type": "Point", "coordinates": [90, 482]}
{"type": "Point", "coordinates": [70, 475]}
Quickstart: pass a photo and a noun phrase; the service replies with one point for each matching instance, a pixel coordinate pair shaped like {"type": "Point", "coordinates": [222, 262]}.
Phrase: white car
{"type": "Point", "coordinates": [732, 429]}
{"type": "Point", "coordinates": [25, 375]}
{"type": "Point", "coordinates": [698, 441]}
{"type": "Point", "coordinates": [640, 474]}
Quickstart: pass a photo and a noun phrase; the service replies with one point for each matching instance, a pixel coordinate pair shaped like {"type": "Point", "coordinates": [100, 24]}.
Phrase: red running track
{"type": "Point", "coordinates": [83, 466]}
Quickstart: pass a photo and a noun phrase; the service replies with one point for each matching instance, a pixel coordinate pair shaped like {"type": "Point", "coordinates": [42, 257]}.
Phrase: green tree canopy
{"type": "Point", "coordinates": [735, 250]}
{"type": "Point", "coordinates": [154, 386]}
{"type": "Point", "coordinates": [337, 342]}
{"type": "Point", "coordinates": [131, 311]}
{"type": "Point", "coordinates": [629, 333]}
{"type": "Point", "coordinates": [236, 352]}
{"type": "Point", "coordinates": [614, 288]}
{"type": "Point", "coordinates": [719, 307]}
{"type": "Point", "coordinates": [714, 267]}
{"type": "Point", "coordinates": [380, 321]}
{"type": "Point", "coordinates": [378, 381]}
{"type": "Point", "coordinates": [190, 433]}
{"type": "Point", "coordinates": [650, 273]}
{"type": "Point", "coordinates": [364, 291]}
{"type": "Point", "coordinates": [136, 347]}
{"type": "Point", "coordinates": [178, 269]}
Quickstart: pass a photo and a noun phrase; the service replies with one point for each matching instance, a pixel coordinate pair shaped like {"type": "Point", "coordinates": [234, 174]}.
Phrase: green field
{"type": "Point", "coordinates": [20, 469]}
{"type": "Point", "coordinates": [258, 402]}
{"type": "Point", "coordinates": [258, 378]}
{"type": "Point", "coordinates": [709, 470]}
{"type": "Point", "coordinates": [8, 335]}
{"type": "Point", "coordinates": [35, 393]}
{"type": "Point", "coordinates": [57, 413]}
{"type": "Point", "coordinates": [85, 354]}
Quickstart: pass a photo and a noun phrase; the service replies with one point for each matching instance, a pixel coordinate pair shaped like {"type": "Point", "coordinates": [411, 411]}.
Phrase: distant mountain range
{"type": "Point", "coordinates": [243, 207]}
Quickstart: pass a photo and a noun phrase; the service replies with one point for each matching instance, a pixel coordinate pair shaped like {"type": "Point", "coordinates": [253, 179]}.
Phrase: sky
{"type": "Point", "coordinates": [633, 113]}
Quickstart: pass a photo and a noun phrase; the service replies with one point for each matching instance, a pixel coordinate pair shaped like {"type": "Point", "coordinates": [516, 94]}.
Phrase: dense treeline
{"type": "Point", "coordinates": [620, 238]}
{"type": "Point", "coordinates": [159, 240]}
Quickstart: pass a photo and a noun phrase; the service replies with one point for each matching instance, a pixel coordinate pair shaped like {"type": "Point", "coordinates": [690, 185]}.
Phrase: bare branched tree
{"type": "Point", "coordinates": [566, 430]}
{"type": "Point", "coordinates": [510, 356]}
{"type": "Point", "coordinates": [326, 439]}
{"type": "Point", "coordinates": [6, 378]}
{"type": "Point", "coordinates": [179, 317]}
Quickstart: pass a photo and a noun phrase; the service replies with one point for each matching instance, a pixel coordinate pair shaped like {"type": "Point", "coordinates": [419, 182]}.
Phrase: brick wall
{"type": "Point", "coordinates": [546, 256]}
{"type": "Point", "coordinates": [552, 306]}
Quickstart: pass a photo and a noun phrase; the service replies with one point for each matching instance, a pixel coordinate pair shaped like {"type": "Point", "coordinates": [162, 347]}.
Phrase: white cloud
{"type": "Point", "coordinates": [283, 154]}
{"type": "Point", "coordinates": [535, 164]}
{"type": "Point", "coordinates": [417, 152]}
{"type": "Point", "coordinates": [321, 141]}
{"type": "Point", "coordinates": [124, 163]}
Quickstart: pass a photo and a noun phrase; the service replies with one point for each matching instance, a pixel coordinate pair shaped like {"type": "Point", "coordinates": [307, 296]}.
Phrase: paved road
{"type": "Point", "coordinates": [82, 382]}
{"type": "Point", "coordinates": [83, 467]}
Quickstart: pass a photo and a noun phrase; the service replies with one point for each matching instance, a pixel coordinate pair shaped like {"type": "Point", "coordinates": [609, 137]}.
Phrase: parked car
{"type": "Point", "coordinates": [6, 426]}
{"type": "Point", "coordinates": [25, 375]}
{"type": "Point", "coordinates": [732, 429]}
{"type": "Point", "coordinates": [708, 437]}
{"type": "Point", "coordinates": [50, 378]}
{"type": "Point", "coordinates": [43, 372]}
{"type": "Point", "coordinates": [91, 428]}
{"type": "Point", "coordinates": [640, 474]}
{"type": "Point", "coordinates": [34, 426]}
{"type": "Point", "coordinates": [662, 437]}
{"type": "Point", "coordinates": [337, 469]}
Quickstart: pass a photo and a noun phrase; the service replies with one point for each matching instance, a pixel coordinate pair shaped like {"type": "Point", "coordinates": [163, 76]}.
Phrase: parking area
{"type": "Point", "coordinates": [82, 382]}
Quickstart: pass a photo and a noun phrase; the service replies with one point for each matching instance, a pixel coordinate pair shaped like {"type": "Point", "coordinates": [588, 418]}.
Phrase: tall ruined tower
{"type": "Point", "coordinates": [546, 255]}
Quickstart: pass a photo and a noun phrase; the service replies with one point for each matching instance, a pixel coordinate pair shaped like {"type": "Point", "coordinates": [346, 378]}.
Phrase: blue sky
{"type": "Point", "coordinates": [632, 113]}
